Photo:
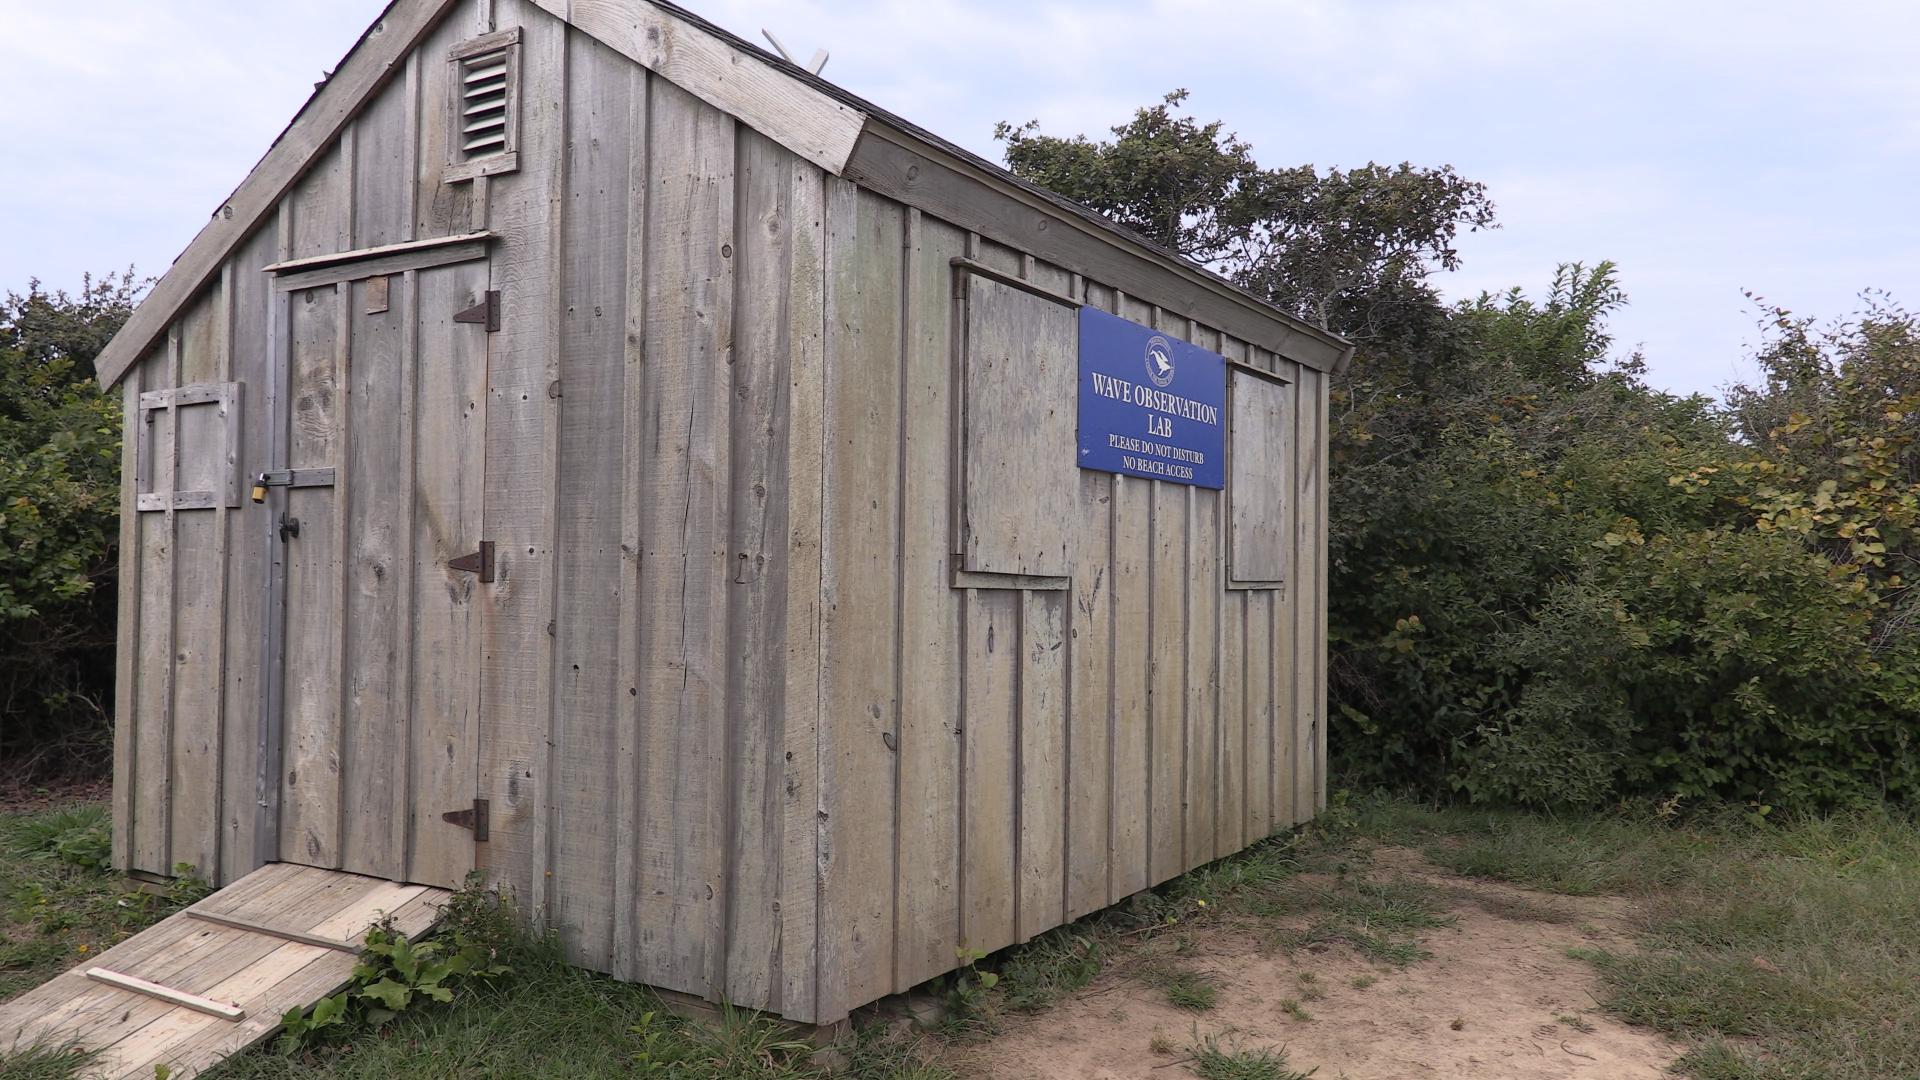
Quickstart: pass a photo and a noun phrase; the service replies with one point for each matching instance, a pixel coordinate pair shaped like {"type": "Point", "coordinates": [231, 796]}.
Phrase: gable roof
{"type": "Point", "coordinates": [819, 121]}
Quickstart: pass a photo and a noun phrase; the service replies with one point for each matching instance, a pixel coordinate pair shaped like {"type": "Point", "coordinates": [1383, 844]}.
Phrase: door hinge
{"type": "Point", "coordinates": [486, 312]}
{"type": "Point", "coordinates": [475, 819]}
{"type": "Point", "coordinates": [480, 562]}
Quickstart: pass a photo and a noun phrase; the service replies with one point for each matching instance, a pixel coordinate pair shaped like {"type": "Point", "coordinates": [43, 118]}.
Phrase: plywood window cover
{"type": "Point", "coordinates": [224, 396]}
{"type": "Point", "coordinates": [1234, 582]}
{"type": "Point", "coordinates": [490, 158]}
{"type": "Point", "coordinates": [976, 566]}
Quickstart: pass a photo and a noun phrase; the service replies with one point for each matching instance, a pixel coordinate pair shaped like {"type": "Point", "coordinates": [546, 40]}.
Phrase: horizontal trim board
{"type": "Point", "coordinates": [980, 579]}
{"type": "Point", "coordinates": [429, 246]}
{"type": "Point", "coordinates": [497, 165]}
{"type": "Point", "coordinates": [908, 170]}
{"type": "Point", "coordinates": [485, 43]}
{"type": "Point", "coordinates": [178, 500]}
{"type": "Point", "coordinates": [973, 266]}
{"type": "Point", "coordinates": [1270, 376]}
{"type": "Point", "coordinates": [398, 263]}
{"type": "Point", "coordinates": [1256, 586]}
{"type": "Point", "coordinates": [194, 394]}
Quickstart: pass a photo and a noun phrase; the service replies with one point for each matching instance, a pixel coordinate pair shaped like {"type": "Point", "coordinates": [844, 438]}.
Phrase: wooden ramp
{"type": "Point", "coordinates": [282, 936]}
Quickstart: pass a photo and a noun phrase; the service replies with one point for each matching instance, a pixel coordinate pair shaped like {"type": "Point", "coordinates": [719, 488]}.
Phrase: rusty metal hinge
{"type": "Point", "coordinates": [475, 819]}
{"type": "Point", "coordinates": [486, 312]}
{"type": "Point", "coordinates": [480, 562]}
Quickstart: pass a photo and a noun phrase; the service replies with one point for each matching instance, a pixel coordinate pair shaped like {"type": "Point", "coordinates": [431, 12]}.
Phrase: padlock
{"type": "Point", "coordinates": [259, 493]}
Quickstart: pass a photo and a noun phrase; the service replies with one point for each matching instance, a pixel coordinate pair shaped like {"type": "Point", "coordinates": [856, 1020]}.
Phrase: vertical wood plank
{"type": "Point", "coordinates": [634, 460]}
{"type": "Point", "coordinates": [1130, 659]}
{"type": "Point", "coordinates": [320, 206]}
{"type": "Point", "coordinates": [447, 437]}
{"type": "Point", "coordinates": [1318, 626]}
{"type": "Point", "coordinates": [1306, 647]}
{"type": "Point", "coordinates": [860, 559]}
{"type": "Point", "coordinates": [199, 573]}
{"type": "Point", "coordinates": [593, 291]}
{"type": "Point", "coordinates": [441, 208]}
{"type": "Point", "coordinates": [128, 654]}
{"type": "Point", "coordinates": [1203, 674]}
{"type": "Point", "coordinates": [928, 832]}
{"type": "Point", "coordinates": [1040, 778]}
{"type": "Point", "coordinates": [805, 809]}
{"type": "Point", "coordinates": [310, 780]}
{"type": "Point", "coordinates": [757, 576]}
{"type": "Point", "coordinates": [516, 652]}
{"type": "Point", "coordinates": [382, 183]}
{"type": "Point", "coordinates": [379, 462]}
{"type": "Point", "coordinates": [991, 646]}
{"type": "Point", "coordinates": [1093, 716]}
{"type": "Point", "coordinates": [248, 357]}
{"type": "Point", "coordinates": [153, 778]}
{"type": "Point", "coordinates": [683, 659]}
{"type": "Point", "coordinates": [1167, 699]}
{"type": "Point", "coordinates": [1258, 631]}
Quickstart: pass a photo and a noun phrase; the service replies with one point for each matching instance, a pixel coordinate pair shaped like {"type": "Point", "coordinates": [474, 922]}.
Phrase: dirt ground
{"type": "Point", "coordinates": [1499, 999]}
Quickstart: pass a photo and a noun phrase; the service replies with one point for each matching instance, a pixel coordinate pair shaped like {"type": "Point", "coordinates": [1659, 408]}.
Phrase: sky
{"type": "Point", "coordinates": [1707, 148]}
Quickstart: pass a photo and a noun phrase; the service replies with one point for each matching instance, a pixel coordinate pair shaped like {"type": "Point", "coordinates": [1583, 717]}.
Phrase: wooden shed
{"type": "Point", "coordinates": [781, 547]}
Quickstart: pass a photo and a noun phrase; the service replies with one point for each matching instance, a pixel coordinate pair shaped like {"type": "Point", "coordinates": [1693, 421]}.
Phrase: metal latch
{"type": "Point", "coordinates": [486, 312]}
{"type": "Point", "coordinates": [475, 819]}
{"type": "Point", "coordinates": [290, 478]}
{"type": "Point", "coordinates": [480, 562]}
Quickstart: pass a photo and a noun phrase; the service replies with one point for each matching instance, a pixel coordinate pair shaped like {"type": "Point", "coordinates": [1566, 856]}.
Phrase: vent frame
{"type": "Point", "coordinates": [462, 59]}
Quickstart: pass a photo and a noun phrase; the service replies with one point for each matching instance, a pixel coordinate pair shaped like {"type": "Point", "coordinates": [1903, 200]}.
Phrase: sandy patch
{"type": "Point", "coordinates": [1499, 999]}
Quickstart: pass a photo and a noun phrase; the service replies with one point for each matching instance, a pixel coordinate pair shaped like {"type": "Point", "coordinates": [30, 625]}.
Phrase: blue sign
{"type": "Point", "coordinates": [1150, 405]}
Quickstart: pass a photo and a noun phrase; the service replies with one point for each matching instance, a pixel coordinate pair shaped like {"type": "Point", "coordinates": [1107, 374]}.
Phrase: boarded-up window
{"type": "Point", "coordinates": [1018, 455]}
{"type": "Point", "coordinates": [1259, 453]}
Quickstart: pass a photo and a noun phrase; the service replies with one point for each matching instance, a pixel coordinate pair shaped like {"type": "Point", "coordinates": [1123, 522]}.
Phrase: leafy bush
{"type": "Point", "coordinates": [394, 975]}
{"type": "Point", "coordinates": [59, 513]}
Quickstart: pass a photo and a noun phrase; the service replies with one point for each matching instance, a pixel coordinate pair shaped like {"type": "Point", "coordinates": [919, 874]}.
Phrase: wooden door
{"type": "Point", "coordinates": [384, 401]}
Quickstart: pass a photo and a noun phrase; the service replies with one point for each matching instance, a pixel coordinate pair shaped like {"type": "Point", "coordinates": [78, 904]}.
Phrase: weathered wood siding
{"type": "Point", "coordinates": [1010, 755]}
{"type": "Point", "coordinates": [743, 732]}
{"type": "Point", "coordinates": [188, 697]}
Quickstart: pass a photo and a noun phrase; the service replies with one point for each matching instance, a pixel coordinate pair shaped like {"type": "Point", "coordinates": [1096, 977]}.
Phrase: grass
{"type": "Point", "coordinates": [1774, 949]}
{"type": "Point", "coordinates": [1186, 989]}
{"type": "Point", "coordinates": [545, 1019]}
{"type": "Point", "coordinates": [1771, 949]}
{"type": "Point", "coordinates": [59, 903]}
{"type": "Point", "coordinates": [1216, 1057]}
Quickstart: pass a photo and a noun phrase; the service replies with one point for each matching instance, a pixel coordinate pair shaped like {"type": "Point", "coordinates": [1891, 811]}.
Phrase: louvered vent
{"type": "Point", "coordinates": [484, 96]}
{"type": "Point", "coordinates": [484, 106]}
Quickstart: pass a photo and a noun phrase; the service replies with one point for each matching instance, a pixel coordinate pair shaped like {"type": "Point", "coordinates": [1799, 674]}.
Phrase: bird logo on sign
{"type": "Point", "coordinates": [1159, 361]}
